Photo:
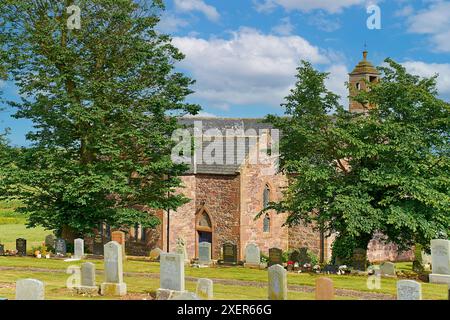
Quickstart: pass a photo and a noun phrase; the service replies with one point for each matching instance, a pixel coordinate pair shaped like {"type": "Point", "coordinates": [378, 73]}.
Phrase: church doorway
{"type": "Point", "coordinates": [204, 230]}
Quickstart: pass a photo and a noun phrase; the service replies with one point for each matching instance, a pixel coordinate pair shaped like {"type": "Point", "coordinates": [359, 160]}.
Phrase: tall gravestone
{"type": "Point", "coordinates": [252, 255]}
{"type": "Point", "coordinates": [30, 289]}
{"type": "Point", "coordinates": [324, 289]}
{"type": "Point", "coordinates": [99, 243]}
{"type": "Point", "coordinates": [204, 253]}
{"type": "Point", "coordinates": [87, 284]}
{"type": "Point", "coordinates": [171, 271]}
{"type": "Point", "coordinates": [119, 237]}
{"type": "Point", "coordinates": [277, 283]}
{"type": "Point", "coordinates": [440, 261]}
{"type": "Point", "coordinates": [21, 247]}
{"type": "Point", "coordinates": [78, 248]}
{"type": "Point", "coordinates": [409, 290]}
{"type": "Point", "coordinates": [230, 253]}
{"type": "Point", "coordinates": [181, 249]}
{"type": "Point", "coordinates": [275, 256]}
{"type": "Point", "coordinates": [205, 289]}
{"type": "Point", "coordinates": [113, 285]}
{"type": "Point", "coordinates": [60, 247]}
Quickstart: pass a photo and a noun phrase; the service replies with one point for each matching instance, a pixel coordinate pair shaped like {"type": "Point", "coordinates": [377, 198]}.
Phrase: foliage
{"type": "Point", "coordinates": [104, 101]}
{"type": "Point", "coordinates": [386, 170]}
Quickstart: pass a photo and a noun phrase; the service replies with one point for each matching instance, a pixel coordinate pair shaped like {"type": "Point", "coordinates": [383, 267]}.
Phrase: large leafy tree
{"type": "Point", "coordinates": [386, 170]}
{"type": "Point", "coordinates": [104, 101]}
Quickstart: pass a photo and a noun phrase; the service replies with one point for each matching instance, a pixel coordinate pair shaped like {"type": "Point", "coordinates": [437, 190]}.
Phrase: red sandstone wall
{"type": "Point", "coordinates": [378, 251]}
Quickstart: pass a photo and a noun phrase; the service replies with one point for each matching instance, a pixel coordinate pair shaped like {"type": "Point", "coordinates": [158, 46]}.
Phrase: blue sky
{"type": "Point", "coordinates": [243, 53]}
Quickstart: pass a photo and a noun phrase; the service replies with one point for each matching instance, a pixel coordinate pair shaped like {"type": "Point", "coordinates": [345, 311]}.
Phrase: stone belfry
{"type": "Point", "coordinates": [363, 73]}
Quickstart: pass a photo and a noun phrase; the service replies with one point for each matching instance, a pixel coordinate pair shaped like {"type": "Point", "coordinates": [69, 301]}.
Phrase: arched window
{"type": "Point", "coordinates": [266, 196]}
{"type": "Point", "coordinates": [205, 221]}
{"type": "Point", "coordinates": [358, 86]}
{"type": "Point", "coordinates": [266, 223]}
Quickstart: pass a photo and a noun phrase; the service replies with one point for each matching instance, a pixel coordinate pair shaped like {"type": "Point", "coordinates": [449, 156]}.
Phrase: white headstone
{"type": "Point", "coordinates": [252, 254]}
{"type": "Point", "coordinates": [277, 283]}
{"type": "Point", "coordinates": [409, 290]}
{"type": "Point", "coordinates": [88, 274]}
{"type": "Point", "coordinates": [113, 284]}
{"type": "Point", "coordinates": [388, 269]}
{"type": "Point", "coordinates": [204, 253]}
{"type": "Point", "coordinates": [440, 261]}
{"type": "Point", "coordinates": [205, 289]}
{"type": "Point", "coordinates": [78, 249]}
{"type": "Point", "coordinates": [172, 271]}
{"type": "Point", "coordinates": [30, 289]}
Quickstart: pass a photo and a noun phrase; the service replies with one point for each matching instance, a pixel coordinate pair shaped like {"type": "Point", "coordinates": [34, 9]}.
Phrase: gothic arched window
{"type": "Point", "coordinates": [266, 196]}
{"type": "Point", "coordinates": [266, 223]}
{"type": "Point", "coordinates": [205, 221]}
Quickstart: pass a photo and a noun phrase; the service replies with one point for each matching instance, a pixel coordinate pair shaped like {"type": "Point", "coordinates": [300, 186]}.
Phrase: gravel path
{"type": "Point", "coordinates": [309, 289]}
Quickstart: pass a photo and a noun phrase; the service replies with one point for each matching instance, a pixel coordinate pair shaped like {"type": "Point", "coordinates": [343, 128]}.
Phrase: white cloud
{"type": "Point", "coordinates": [433, 21]}
{"type": "Point", "coordinates": [171, 23]}
{"type": "Point", "coordinates": [332, 6]}
{"type": "Point", "coordinates": [336, 82]}
{"type": "Point", "coordinates": [202, 114]}
{"type": "Point", "coordinates": [285, 28]}
{"type": "Point", "coordinates": [198, 5]}
{"type": "Point", "coordinates": [430, 69]}
{"type": "Point", "coordinates": [250, 68]}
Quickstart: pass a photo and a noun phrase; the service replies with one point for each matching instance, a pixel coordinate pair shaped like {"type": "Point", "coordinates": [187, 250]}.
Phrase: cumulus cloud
{"type": "Point", "coordinates": [331, 6]}
{"type": "Point", "coordinates": [285, 27]}
{"type": "Point", "coordinates": [428, 70]}
{"type": "Point", "coordinates": [433, 21]}
{"type": "Point", "coordinates": [171, 23]}
{"type": "Point", "coordinates": [250, 68]}
{"type": "Point", "coordinates": [197, 5]}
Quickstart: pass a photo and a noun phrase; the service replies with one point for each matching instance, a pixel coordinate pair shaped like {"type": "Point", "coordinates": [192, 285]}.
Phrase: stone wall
{"type": "Point", "coordinates": [378, 251]}
{"type": "Point", "coordinates": [305, 236]}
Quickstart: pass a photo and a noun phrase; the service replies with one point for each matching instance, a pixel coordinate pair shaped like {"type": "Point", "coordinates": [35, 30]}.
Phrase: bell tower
{"type": "Point", "coordinates": [363, 73]}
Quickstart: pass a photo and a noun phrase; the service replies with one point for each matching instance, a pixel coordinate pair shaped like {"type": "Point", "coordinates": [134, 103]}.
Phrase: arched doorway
{"type": "Point", "coordinates": [204, 230]}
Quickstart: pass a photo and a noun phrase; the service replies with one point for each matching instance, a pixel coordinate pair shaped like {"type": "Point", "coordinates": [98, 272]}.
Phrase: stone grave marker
{"type": "Point", "coordinates": [50, 241]}
{"type": "Point", "coordinates": [440, 257]}
{"type": "Point", "coordinates": [229, 253]}
{"type": "Point", "coordinates": [113, 285]}
{"type": "Point", "coordinates": [30, 289]}
{"type": "Point", "coordinates": [155, 253]}
{"type": "Point", "coordinates": [88, 279]}
{"type": "Point", "coordinates": [78, 248]}
{"type": "Point", "coordinates": [324, 289]}
{"type": "Point", "coordinates": [181, 249]}
{"type": "Point", "coordinates": [275, 256]}
{"type": "Point", "coordinates": [171, 271]}
{"type": "Point", "coordinates": [119, 237]}
{"type": "Point", "coordinates": [98, 248]}
{"type": "Point", "coordinates": [277, 282]}
{"type": "Point", "coordinates": [409, 290]}
{"type": "Point", "coordinates": [60, 246]}
{"type": "Point", "coordinates": [205, 289]}
{"type": "Point", "coordinates": [359, 259]}
{"type": "Point", "coordinates": [204, 253]}
{"type": "Point", "coordinates": [388, 269]}
{"type": "Point", "coordinates": [252, 254]}
{"type": "Point", "coordinates": [21, 247]}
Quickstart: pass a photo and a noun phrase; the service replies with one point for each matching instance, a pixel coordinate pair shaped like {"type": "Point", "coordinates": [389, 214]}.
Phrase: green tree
{"type": "Point", "coordinates": [104, 101]}
{"type": "Point", "coordinates": [386, 170]}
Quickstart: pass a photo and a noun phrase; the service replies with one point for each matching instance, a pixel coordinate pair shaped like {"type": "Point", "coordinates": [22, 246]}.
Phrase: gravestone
{"type": "Point", "coordinates": [119, 237]}
{"type": "Point", "coordinates": [205, 289]}
{"type": "Point", "coordinates": [78, 248]}
{"type": "Point", "coordinates": [2, 249]}
{"type": "Point", "coordinates": [60, 246]}
{"type": "Point", "coordinates": [204, 253]}
{"type": "Point", "coordinates": [113, 285]}
{"type": "Point", "coordinates": [409, 290]}
{"type": "Point", "coordinates": [359, 259]}
{"type": "Point", "coordinates": [184, 296]}
{"type": "Point", "coordinates": [440, 257]}
{"type": "Point", "coordinates": [181, 249]}
{"type": "Point", "coordinates": [229, 253]}
{"type": "Point", "coordinates": [252, 254]}
{"type": "Point", "coordinates": [88, 279]}
{"type": "Point", "coordinates": [277, 283]}
{"type": "Point", "coordinates": [388, 269]}
{"type": "Point", "coordinates": [324, 289]}
{"type": "Point", "coordinates": [155, 253]}
{"type": "Point", "coordinates": [21, 247]}
{"type": "Point", "coordinates": [330, 269]}
{"type": "Point", "coordinates": [98, 245]}
{"type": "Point", "coordinates": [171, 271]}
{"type": "Point", "coordinates": [275, 256]}
{"type": "Point", "coordinates": [50, 241]}
{"type": "Point", "coordinates": [30, 289]}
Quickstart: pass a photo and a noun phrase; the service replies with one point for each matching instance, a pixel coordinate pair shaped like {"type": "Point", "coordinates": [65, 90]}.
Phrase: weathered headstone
{"type": "Point", "coordinates": [50, 241]}
{"type": "Point", "coordinates": [324, 289]}
{"type": "Point", "coordinates": [155, 253]}
{"type": "Point", "coordinates": [21, 247]}
{"type": "Point", "coordinates": [30, 289]}
{"type": "Point", "coordinates": [2, 249]}
{"type": "Point", "coordinates": [359, 259]}
{"type": "Point", "coordinates": [113, 285]}
{"type": "Point", "coordinates": [252, 254]}
{"type": "Point", "coordinates": [388, 269]}
{"type": "Point", "coordinates": [88, 279]}
{"type": "Point", "coordinates": [78, 248]}
{"type": "Point", "coordinates": [181, 249]}
{"type": "Point", "coordinates": [60, 246]}
{"type": "Point", "coordinates": [171, 271]}
{"type": "Point", "coordinates": [277, 283]}
{"type": "Point", "coordinates": [275, 256]}
{"type": "Point", "coordinates": [204, 253]}
{"type": "Point", "coordinates": [440, 257]}
{"type": "Point", "coordinates": [205, 289]}
{"type": "Point", "coordinates": [409, 290]}
{"type": "Point", "coordinates": [119, 237]}
{"type": "Point", "coordinates": [98, 245]}
{"type": "Point", "coordinates": [229, 253]}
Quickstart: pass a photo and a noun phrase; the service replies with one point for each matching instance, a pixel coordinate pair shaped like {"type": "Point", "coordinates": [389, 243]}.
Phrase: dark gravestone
{"type": "Point", "coordinates": [359, 259]}
{"type": "Point", "coordinates": [21, 247]}
{"type": "Point", "coordinates": [50, 241]}
{"type": "Point", "coordinates": [60, 246]}
{"type": "Point", "coordinates": [230, 253]}
{"type": "Point", "coordinates": [98, 245]}
{"type": "Point", "coordinates": [275, 256]}
{"type": "Point", "coordinates": [2, 249]}
{"type": "Point", "coordinates": [330, 269]}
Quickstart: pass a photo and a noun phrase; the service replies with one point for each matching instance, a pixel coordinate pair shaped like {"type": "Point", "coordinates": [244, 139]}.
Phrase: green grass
{"type": "Point", "coordinates": [141, 284]}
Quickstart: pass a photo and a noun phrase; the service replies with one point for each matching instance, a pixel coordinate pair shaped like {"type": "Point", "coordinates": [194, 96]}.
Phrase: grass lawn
{"type": "Point", "coordinates": [141, 284]}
